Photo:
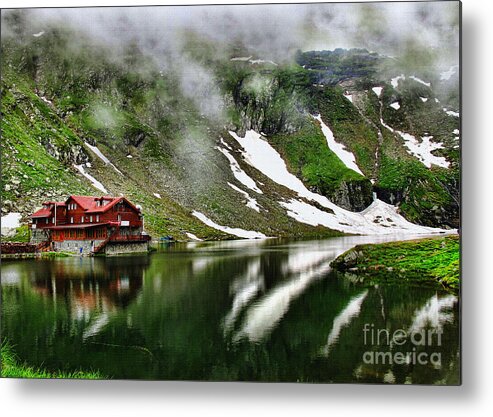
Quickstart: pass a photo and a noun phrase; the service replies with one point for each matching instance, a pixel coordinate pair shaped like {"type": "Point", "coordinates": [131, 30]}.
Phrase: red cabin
{"type": "Point", "coordinates": [87, 224]}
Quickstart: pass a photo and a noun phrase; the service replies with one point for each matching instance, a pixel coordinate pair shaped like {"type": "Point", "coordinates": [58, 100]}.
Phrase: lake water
{"type": "Point", "coordinates": [268, 310]}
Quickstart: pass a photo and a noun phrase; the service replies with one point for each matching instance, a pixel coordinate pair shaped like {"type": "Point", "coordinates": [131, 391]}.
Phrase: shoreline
{"type": "Point", "coordinates": [430, 260]}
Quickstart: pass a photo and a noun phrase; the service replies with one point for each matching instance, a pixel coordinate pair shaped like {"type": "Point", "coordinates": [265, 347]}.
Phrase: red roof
{"type": "Point", "coordinates": [44, 212]}
{"type": "Point", "coordinates": [88, 203]}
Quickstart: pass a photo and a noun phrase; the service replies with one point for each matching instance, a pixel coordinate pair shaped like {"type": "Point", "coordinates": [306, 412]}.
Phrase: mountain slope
{"type": "Point", "coordinates": [79, 119]}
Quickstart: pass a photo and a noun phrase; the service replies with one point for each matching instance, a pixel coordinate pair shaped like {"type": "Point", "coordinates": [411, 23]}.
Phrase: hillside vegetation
{"type": "Point", "coordinates": [65, 92]}
{"type": "Point", "coordinates": [434, 260]}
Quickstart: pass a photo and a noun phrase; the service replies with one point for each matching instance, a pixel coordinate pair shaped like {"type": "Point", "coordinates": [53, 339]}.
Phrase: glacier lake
{"type": "Point", "coordinates": [244, 310]}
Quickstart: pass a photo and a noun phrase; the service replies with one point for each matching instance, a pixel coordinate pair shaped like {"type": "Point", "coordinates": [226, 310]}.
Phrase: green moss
{"type": "Point", "coordinates": [348, 126]}
{"type": "Point", "coordinates": [309, 157]}
{"type": "Point", "coordinates": [431, 259]}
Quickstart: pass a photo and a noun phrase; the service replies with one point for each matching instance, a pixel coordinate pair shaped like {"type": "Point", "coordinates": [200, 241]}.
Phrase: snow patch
{"type": "Point", "coordinates": [261, 61]}
{"type": "Point", "coordinates": [456, 131]}
{"type": "Point", "coordinates": [251, 202]}
{"type": "Point", "coordinates": [46, 100]}
{"type": "Point", "coordinates": [11, 221]}
{"type": "Point", "coordinates": [103, 158]}
{"type": "Point", "coordinates": [129, 156]}
{"type": "Point", "coordinates": [446, 75]}
{"type": "Point", "coordinates": [247, 234]}
{"type": "Point", "coordinates": [451, 112]}
{"type": "Point", "coordinates": [225, 144]}
{"type": "Point", "coordinates": [193, 237]}
{"type": "Point", "coordinates": [37, 35]}
{"type": "Point", "coordinates": [241, 58]}
{"type": "Point", "coordinates": [262, 156]}
{"type": "Point", "coordinates": [349, 97]}
{"type": "Point", "coordinates": [377, 91]}
{"type": "Point", "coordinates": [157, 195]}
{"type": "Point", "coordinates": [422, 150]}
{"type": "Point", "coordinates": [252, 61]}
{"type": "Point", "coordinates": [93, 180]}
{"type": "Point", "coordinates": [386, 217]}
{"type": "Point", "coordinates": [424, 99]}
{"type": "Point", "coordinates": [395, 105]}
{"type": "Point", "coordinates": [339, 149]}
{"type": "Point", "coordinates": [386, 126]}
{"type": "Point", "coordinates": [308, 214]}
{"type": "Point", "coordinates": [413, 77]}
{"type": "Point", "coordinates": [395, 81]}
{"type": "Point", "coordinates": [238, 173]}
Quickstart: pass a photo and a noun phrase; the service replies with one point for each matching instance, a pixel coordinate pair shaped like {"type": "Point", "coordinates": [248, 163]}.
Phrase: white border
{"type": "Point", "coordinates": [127, 398]}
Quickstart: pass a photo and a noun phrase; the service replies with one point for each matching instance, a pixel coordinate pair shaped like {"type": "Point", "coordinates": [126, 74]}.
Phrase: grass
{"type": "Point", "coordinates": [21, 235]}
{"type": "Point", "coordinates": [348, 125]}
{"type": "Point", "coordinates": [309, 158]}
{"type": "Point", "coordinates": [11, 367]}
{"type": "Point", "coordinates": [430, 259]}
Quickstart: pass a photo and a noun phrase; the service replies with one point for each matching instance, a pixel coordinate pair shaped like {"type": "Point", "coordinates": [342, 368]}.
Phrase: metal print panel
{"type": "Point", "coordinates": [232, 193]}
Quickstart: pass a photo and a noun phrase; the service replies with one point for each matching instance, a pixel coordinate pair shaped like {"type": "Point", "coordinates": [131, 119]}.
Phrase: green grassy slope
{"type": "Point", "coordinates": [434, 259]}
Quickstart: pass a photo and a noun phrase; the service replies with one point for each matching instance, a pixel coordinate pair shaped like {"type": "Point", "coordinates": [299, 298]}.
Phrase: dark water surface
{"type": "Point", "coordinates": [265, 310]}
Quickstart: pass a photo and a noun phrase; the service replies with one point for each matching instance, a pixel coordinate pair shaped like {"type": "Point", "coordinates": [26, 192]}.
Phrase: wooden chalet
{"type": "Point", "coordinates": [87, 224]}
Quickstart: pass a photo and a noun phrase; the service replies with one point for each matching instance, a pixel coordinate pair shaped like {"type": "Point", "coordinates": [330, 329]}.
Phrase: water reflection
{"type": "Point", "coordinates": [89, 285]}
{"type": "Point", "coordinates": [343, 319]}
{"type": "Point", "coordinates": [435, 313]}
{"type": "Point", "coordinates": [267, 310]}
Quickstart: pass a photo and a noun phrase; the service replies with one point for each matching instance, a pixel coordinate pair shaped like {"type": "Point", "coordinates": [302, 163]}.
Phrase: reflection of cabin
{"type": "Point", "coordinates": [101, 284]}
{"type": "Point", "coordinates": [90, 225]}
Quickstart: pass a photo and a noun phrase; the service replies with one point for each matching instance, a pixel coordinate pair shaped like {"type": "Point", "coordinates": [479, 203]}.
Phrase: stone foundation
{"type": "Point", "coordinates": [39, 235]}
{"type": "Point", "coordinates": [114, 248]}
{"type": "Point", "coordinates": [75, 245]}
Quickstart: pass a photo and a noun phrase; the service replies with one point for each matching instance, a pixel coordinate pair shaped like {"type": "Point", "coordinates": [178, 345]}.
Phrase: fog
{"type": "Point", "coordinates": [419, 35]}
{"type": "Point", "coordinates": [273, 31]}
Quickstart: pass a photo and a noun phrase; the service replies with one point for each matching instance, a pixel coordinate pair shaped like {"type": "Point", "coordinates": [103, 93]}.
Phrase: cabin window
{"type": "Point", "coordinates": [90, 219]}
{"type": "Point", "coordinates": [97, 218]}
{"type": "Point", "coordinates": [71, 220]}
{"type": "Point", "coordinates": [47, 220]}
{"type": "Point", "coordinates": [119, 218]}
{"type": "Point", "coordinates": [53, 220]}
{"type": "Point", "coordinates": [82, 219]}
